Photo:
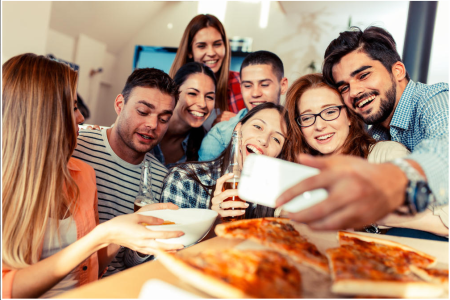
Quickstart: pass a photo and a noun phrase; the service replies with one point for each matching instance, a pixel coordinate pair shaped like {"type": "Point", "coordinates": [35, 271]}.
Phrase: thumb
{"type": "Point", "coordinates": [311, 161]}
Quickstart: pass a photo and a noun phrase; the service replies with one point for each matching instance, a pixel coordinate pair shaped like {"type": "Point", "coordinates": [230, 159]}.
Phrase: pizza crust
{"type": "Point", "coordinates": [196, 278]}
{"type": "Point", "coordinates": [428, 277]}
{"type": "Point", "coordinates": [384, 242]}
{"type": "Point", "coordinates": [386, 288]}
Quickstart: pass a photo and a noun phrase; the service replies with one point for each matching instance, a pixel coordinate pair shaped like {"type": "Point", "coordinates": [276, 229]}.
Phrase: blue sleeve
{"type": "Point", "coordinates": [432, 151]}
{"type": "Point", "coordinates": [211, 146]}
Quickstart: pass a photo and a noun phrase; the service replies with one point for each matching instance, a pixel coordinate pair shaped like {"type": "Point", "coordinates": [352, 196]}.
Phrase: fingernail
{"type": "Point", "coordinates": [246, 204]}
{"type": "Point", "coordinates": [230, 174]}
{"type": "Point", "coordinates": [243, 211]}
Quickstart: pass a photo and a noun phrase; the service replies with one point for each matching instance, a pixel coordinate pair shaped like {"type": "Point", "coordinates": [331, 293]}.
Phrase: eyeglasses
{"type": "Point", "coordinates": [328, 114]}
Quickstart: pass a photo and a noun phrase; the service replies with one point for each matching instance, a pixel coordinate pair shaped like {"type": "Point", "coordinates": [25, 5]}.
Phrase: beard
{"type": "Point", "coordinates": [386, 107]}
{"type": "Point", "coordinates": [127, 139]}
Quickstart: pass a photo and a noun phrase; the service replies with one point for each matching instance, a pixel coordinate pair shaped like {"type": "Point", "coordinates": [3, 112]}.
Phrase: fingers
{"type": "Point", "coordinates": [224, 195]}
{"type": "Point", "coordinates": [93, 127]}
{"type": "Point", "coordinates": [313, 161]}
{"type": "Point", "coordinates": [97, 127]}
{"type": "Point", "coordinates": [149, 220]}
{"type": "Point", "coordinates": [220, 182]}
{"type": "Point", "coordinates": [153, 234]}
{"type": "Point", "coordinates": [158, 206]}
{"type": "Point", "coordinates": [231, 213]}
{"type": "Point", "coordinates": [233, 204]}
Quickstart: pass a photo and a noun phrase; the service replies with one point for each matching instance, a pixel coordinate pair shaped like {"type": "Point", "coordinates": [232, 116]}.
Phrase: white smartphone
{"type": "Point", "coordinates": [264, 178]}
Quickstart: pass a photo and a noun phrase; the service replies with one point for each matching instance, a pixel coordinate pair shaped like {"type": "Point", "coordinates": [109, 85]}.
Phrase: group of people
{"type": "Point", "coordinates": [67, 205]}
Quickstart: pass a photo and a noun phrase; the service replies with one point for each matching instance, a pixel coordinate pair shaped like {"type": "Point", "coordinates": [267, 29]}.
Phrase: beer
{"type": "Point", "coordinates": [145, 196]}
{"type": "Point", "coordinates": [232, 184]}
{"type": "Point", "coordinates": [235, 167]}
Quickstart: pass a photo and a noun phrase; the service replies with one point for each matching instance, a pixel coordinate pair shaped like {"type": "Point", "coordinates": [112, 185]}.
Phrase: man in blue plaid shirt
{"type": "Point", "coordinates": [366, 69]}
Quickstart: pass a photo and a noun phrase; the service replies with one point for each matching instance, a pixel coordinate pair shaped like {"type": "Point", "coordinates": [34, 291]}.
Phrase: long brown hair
{"type": "Point", "coordinates": [358, 142]}
{"type": "Point", "coordinates": [197, 23]}
{"type": "Point", "coordinates": [39, 136]}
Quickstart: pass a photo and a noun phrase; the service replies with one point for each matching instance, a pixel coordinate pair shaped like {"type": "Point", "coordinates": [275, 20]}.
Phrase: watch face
{"type": "Point", "coordinates": [422, 195]}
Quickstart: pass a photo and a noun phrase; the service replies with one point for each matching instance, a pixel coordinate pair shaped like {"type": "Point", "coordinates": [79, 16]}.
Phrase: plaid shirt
{"type": "Point", "coordinates": [235, 100]}
{"type": "Point", "coordinates": [420, 122]}
{"type": "Point", "coordinates": [183, 191]}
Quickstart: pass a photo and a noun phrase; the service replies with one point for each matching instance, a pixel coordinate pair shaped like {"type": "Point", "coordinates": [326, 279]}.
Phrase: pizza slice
{"type": "Point", "coordinates": [277, 234]}
{"type": "Point", "coordinates": [356, 271]}
{"type": "Point", "coordinates": [237, 273]}
{"type": "Point", "coordinates": [393, 254]}
{"type": "Point", "coordinates": [436, 276]}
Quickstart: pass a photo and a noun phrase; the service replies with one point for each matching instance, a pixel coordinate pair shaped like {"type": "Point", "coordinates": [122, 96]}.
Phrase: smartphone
{"type": "Point", "coordinates": [264, 178]}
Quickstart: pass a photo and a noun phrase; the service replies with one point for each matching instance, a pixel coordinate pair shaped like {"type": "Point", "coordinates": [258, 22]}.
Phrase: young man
{"type": "Point", "coordinates": [367, 70]}
{"type": "Point", "coordinates": [262, 80]}
{"type": "Point", "coordinates": [144, 108]}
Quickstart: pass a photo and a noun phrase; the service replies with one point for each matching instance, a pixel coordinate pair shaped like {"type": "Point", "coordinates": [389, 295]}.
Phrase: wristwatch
{"type": "Point", "coordinates": [418, 195]}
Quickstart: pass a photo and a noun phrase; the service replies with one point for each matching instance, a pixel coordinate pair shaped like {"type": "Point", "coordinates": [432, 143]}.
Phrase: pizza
{"type": "Point", "coordinates": [237, 273]}
{"type": "Point", "coordinates": [436, 276]}
{"type": "Point", "coordinates": [364, 265]}
{"type": "Point", "coordinates": [277, 234]}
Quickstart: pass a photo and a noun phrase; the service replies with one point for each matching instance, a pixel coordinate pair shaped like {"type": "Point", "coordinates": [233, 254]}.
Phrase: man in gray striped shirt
{"type": "Point", "coordinates": [144, 109]}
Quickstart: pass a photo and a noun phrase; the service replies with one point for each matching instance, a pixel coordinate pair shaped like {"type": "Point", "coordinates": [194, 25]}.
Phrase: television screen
{"type": "Point", "coordinates": [162, 58]}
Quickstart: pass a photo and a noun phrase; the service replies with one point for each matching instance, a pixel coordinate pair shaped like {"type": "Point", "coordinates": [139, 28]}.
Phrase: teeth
{"type": "Point", "coordinates": [197, 114]}
{"type": "Point", "coordinates": [254, 149]}
{"type": "Point", "coordinates": [257, 103]}
{"type": "Point", "coordinates": [324, 137]}
{"type": "Point", "coordinates": [211, 62]}
{"type": "Point", "coordinates": [145, 136]}
{"type": "Point", "coordinates": [362, 103]}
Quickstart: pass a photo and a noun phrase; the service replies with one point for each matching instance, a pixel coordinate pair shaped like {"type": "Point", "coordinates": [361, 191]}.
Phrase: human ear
{"type": "Point", "coordinates": [398, 71]}
{"type": "Point", "coordinates": [284, 85]}
{"type": "Point", "coordinates": [119, 103]}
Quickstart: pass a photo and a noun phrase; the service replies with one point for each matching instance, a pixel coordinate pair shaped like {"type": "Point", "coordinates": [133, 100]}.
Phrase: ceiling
{"type": "Point", "coordinates": [110, 22]}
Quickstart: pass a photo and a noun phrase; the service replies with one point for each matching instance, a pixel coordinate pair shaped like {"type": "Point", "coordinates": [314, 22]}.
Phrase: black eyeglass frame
{"type": "Point", "coordinates": [319, 114]}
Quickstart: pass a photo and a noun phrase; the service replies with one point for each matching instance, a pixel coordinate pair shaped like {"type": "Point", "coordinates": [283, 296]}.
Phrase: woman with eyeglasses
{"type": "Point", "coordinates": [321, 124]}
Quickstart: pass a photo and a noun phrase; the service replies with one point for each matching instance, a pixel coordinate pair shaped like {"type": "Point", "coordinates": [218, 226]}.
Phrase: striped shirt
{"type": "Point", "coordinates": [117, 185]}
{"type": "Point", "coordinates": [420, 122]}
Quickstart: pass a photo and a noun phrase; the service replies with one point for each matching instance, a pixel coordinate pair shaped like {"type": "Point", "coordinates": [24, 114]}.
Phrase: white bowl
{"type": "Point", "coordinates": [194, 222]}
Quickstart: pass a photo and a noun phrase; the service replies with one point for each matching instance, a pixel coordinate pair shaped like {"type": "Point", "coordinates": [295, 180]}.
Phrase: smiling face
{"type": "Point", "coordinates": [366, 87]}
{"type": "Point", "coordinates": [208, 48]}
{"type": "Point", "coordinates": [197, 99]}
{"type": "Point", "coordinates": [143, 120]}
{"type": "Point", "coordinates": [264, 133]}
{"type": "Point", "coordinates": [327, 137]}
{"type": "Point", "coordinates": [259, 84]}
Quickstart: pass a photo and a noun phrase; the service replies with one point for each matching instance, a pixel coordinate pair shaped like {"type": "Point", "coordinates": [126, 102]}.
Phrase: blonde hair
{"type": "Point", "coordinates": [39, 136]}
{"type": "Point", "coordinates": [197, 23]}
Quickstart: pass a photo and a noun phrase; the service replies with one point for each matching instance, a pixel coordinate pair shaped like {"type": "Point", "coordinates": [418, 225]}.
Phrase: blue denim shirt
{"type": "Point", "coordinates": [156, 151]}
{"type": "Point", "coordinates": [420, 122]}
{"type": "Point", "coordinates": [219, 137]}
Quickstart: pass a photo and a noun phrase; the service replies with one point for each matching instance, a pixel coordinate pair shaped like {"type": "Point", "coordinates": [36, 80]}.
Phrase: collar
{"type": "Point", "coordinates": [402, 115]}
{"type": "Point", "coordinates": [72, 165]}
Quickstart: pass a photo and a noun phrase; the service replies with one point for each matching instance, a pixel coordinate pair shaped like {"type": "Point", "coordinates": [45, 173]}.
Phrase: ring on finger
{"type": "Point", "coordinates": [220, 205]}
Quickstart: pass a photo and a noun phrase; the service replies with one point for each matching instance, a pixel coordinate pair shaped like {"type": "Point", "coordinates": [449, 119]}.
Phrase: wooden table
{"type": "Point", "coordinates": [128, 283]}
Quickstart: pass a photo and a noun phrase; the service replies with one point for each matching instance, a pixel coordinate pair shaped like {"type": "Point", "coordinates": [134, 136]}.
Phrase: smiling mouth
{"type": "Point", "coordinates": [324, 137]}
{"type": "Point", "coordinates": [364, 102]}
{"type": "Point", "coordinates": [253, 149]}
{"type": "Point", "coordinates": [211, 62]}
{"type": "Point", "coordinates": [257, 103]}
{"type": "Point", "coordinates": [197, 114]}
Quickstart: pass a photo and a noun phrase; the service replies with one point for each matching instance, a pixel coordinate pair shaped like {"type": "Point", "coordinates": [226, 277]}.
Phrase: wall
{"type": "Point", "coordinates": [60, 45]}
{"type": "Point", "coordinates": [25, 29]}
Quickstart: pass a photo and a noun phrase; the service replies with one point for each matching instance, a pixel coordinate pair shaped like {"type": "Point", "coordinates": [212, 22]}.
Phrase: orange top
{"type": "Point", "coordinates": [86, 218]}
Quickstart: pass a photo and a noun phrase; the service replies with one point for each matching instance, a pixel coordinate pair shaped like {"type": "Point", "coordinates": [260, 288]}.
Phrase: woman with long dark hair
{"type": "Point", "coordinates": [197, 87]}
{"type": "Point", "coordinates": [199, 184]}
{"type": "Point", "coordinates": [205, 41]}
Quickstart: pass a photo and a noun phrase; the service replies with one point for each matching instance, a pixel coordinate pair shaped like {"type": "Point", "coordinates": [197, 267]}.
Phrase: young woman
{"type": "Point", "coordinates": [185, 133]}
{"type": "Point", "coordinates": [200, 184]}
{"type": "Point", "coordinates": [322, 125]}
{"type": "Point", "coordinates": [51, 238]}
{"type": "Point", "coordinates": [205, 41]}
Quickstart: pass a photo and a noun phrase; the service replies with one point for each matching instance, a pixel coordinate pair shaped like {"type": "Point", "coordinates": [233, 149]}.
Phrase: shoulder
{"type": "Point", "coordinates": [233, 75]}
{"type": "Point", "coordinates": [78, 165]}
{"type": "Point", "coordinates": [431, 95]}
{"type": "Point", "coordinates": [386, 151]}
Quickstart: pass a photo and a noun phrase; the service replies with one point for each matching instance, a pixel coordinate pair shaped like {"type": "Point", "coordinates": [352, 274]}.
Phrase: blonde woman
{"type": "Point", "coordinates": [51, 242]}
{"type": "Point", "coordinates": [205, 41]}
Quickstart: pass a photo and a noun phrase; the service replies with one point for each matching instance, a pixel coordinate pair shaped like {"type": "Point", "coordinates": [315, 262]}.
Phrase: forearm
{"type": "Point", "coordinates": [425, 221]}
{"type": "Point", "coordinates": [35, 280]}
